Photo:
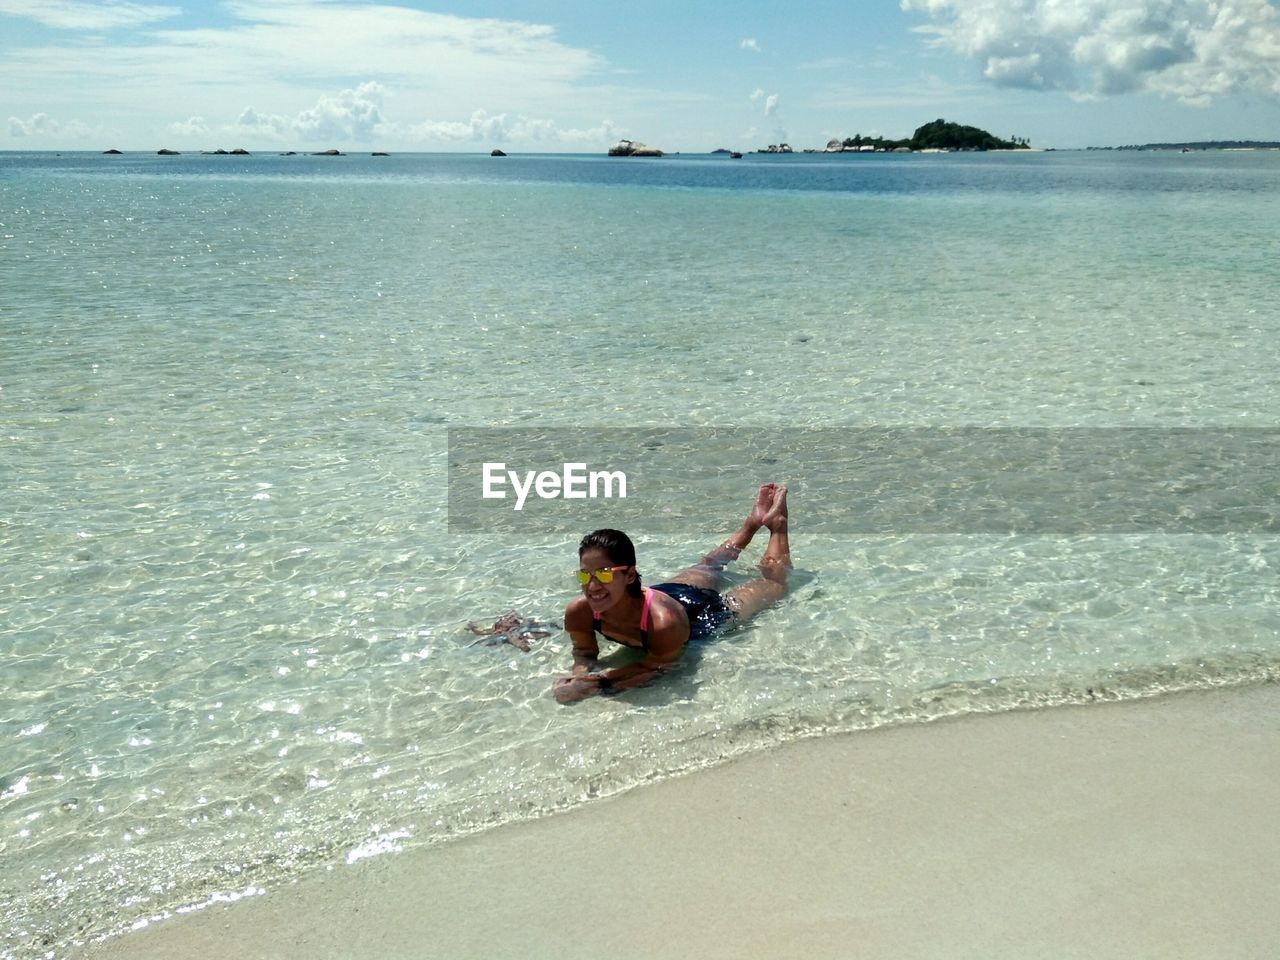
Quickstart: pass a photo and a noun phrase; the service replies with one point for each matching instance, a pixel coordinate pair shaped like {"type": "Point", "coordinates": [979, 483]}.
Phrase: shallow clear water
{"type": "Point", "coordinates": [232, 612]}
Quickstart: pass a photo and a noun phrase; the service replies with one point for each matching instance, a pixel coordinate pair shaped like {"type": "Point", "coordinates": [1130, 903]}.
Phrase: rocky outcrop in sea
{"type": "Point", "coordinates": [631, 148]}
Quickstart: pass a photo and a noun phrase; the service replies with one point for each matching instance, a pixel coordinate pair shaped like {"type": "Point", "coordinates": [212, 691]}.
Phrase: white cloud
{"type": "Point", "coordinates": [85, 15]}
{"type": "Point", "coordinates": [357, 116]}
{"type": "Point", "coordinates": [1194, 50]}
{"type": "Point", "coordinates": [263, 126]}
{"type": "Point", "coordinates": [278, 57]}
{"type": "Point", "coordinates": [190, 128]}
{"type": "Point", "coordinates": [292, 43]}
{"type": "Point", "coordinates": [770, 101]}
{"type": "Point", "coordinates": [276, 72]}
{"type": "Point", "coordinates": [750, 43]}
{"type": "Point", "coordinates": [483, 127]}
{"type": "Point", "coordinates": [353, 115]}
{"type": "Point", "coordinates": [387, 41]}
{"type": "Point", "coordinates": [42, 125]}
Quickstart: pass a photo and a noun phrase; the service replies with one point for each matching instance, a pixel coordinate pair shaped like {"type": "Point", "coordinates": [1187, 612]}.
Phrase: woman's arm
{"type": "Point", "coordinates": [666, 643]}
{"type": "Point", "coordinates": [665, 647]}
{"type": "Point", "coordinates": [580, 626]}
{"type": "Point", "coordinates": [586, 653]}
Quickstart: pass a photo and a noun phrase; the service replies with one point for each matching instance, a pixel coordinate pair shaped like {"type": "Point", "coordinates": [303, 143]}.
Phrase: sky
{"type": "Point", "coordinates": [570, 76]}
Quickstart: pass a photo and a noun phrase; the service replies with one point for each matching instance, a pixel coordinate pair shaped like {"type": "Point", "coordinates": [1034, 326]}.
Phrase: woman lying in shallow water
{"type": "Point", "coordinates": [660, 620]}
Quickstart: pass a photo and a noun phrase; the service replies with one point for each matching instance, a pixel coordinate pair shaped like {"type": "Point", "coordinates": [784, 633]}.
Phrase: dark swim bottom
{"type": "Point", "coordinates": [706, 608]}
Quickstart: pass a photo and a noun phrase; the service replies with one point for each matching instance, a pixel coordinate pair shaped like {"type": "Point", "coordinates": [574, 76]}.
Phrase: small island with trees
{"type": "Point", "coordinates": [939, 135]}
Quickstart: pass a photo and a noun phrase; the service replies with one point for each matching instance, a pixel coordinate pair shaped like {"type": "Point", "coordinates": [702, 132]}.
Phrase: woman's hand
{"type": "Point", "coordinates": [573, 689]}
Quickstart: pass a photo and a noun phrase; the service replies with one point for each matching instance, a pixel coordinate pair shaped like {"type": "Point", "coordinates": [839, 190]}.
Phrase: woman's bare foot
{"type": "Point", "coordinates": [707, 572]}
{"type": "Point", "coordinates": [775, 518]}
{"type": "Point", "coordinates": [775, 565]}
{"type": "Point", "coordinates": [764, 501]}
{"type": "Point", "coordinates": [755, 520]}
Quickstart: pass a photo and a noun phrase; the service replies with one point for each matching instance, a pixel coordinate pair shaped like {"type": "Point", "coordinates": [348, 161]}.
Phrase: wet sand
{"type": "Point", "coordinates": [1134, 830]}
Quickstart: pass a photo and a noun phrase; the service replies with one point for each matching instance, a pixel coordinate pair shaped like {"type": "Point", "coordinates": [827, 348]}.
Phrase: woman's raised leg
{"type": "Point", "coordinates": [775, 566]}
{"type": "Point", "coordinates": [706, 572]}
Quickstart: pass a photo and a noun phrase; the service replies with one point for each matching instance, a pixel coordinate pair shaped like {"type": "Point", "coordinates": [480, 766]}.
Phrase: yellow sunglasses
{"type": "Point", "coordinates": [604, 574]}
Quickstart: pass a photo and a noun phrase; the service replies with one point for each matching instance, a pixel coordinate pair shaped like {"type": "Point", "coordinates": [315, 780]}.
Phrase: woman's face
{"type": "Point", "coordinates": [602, 596]}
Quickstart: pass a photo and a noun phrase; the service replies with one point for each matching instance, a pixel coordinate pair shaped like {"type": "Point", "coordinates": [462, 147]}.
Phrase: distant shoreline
{"type": "Point", "coordinates": [1224, 146]}
{"type": "Point", "coordinates": [1201, 145]}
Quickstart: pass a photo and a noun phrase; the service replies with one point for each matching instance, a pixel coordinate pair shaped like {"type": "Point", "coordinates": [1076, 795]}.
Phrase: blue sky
{"type": "Point", "coordinates": [574, 76]}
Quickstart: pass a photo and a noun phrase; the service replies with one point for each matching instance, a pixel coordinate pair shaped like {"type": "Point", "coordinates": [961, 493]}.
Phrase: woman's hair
{"type": "Point", "coordinates": [619, 549]}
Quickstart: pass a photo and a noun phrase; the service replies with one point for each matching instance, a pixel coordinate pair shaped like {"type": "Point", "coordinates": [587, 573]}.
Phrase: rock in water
{"type": "Point", "coordinates": [631, 148]}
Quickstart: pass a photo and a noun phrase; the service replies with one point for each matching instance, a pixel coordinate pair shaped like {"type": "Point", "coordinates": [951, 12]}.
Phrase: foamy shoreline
{"type": "Point", "coordinates": [1137, 829]}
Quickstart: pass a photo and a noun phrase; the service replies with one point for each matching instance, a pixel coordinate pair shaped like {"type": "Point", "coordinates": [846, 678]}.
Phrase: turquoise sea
{"type": "Point", "coordinates": [232, 609]}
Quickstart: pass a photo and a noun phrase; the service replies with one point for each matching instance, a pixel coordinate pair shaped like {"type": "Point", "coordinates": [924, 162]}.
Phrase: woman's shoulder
{"type": "Point", "coordinates": [577, 615]}
{"type": "Point", "coordinates": [667, 613]}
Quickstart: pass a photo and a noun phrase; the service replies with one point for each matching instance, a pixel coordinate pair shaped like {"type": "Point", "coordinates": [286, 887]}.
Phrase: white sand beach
{"type": "Point", "coordinates": [1133, 830]}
